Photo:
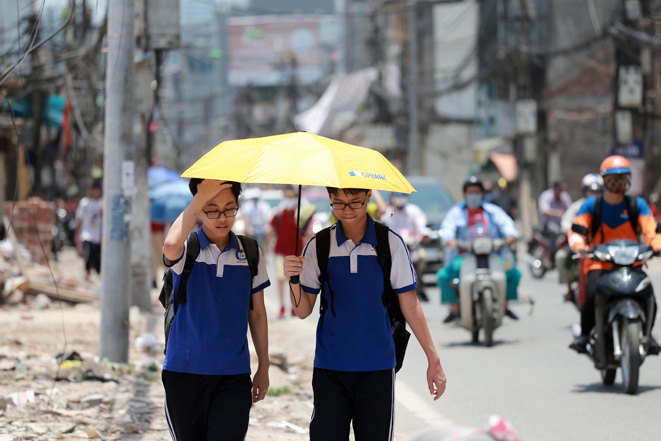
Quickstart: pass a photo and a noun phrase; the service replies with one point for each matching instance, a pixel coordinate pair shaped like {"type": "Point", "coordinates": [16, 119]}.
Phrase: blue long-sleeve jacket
{"type": "Point", "coordinates": [455, 224]}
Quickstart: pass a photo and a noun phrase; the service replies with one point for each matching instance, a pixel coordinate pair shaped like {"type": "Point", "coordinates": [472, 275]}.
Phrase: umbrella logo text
{"type": "Point", "coordinates": [367, 175]}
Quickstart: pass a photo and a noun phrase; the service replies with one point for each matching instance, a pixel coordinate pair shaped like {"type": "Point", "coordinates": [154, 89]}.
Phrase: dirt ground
{"type": "Point", "coordinates": [85, 398]}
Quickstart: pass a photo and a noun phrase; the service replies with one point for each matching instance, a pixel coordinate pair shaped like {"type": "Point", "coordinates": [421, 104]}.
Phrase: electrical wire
{"type": "Point", "coordinates": [34, 47]}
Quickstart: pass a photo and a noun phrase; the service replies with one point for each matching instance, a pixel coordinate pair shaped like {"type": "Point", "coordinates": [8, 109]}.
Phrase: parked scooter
{"type": "Point", "coordinates": [624, 305]}
{"type": "Point", "coordinates": [481, 284]}
{"type": "Point", "coordinates": [542, 248]}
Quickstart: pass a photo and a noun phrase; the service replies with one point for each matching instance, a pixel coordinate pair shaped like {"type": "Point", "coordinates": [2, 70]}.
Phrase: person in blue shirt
{"type": "Point", "coordinates": [455, 226]}
{"type": "Point", "coordinates": [206, 373]}
{"type": "Point", "coordinates": [354, 375]}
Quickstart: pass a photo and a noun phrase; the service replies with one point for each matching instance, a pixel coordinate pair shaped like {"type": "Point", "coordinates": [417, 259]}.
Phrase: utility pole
{"type": "Point", "coordinates": [412, 89]}
{"type": "Point", "coordinates": [118, 183]}
{"type": "Point", "coordinates": [37, 98]}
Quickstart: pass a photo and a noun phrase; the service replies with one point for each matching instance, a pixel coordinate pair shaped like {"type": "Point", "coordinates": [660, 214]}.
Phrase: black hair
{"type": "Point", "coordinates": [97, 183]}
{"type": "Point", "coordinates": [332, 191]}
{"type": "Point", "coordinates": [236, 187]}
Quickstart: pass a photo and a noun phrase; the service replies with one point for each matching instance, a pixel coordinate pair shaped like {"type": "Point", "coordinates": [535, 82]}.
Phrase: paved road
{"type": "Point", "coordinates": [529, 377]}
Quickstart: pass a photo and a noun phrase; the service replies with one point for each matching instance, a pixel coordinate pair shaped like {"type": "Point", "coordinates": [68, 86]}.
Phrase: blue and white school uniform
{"type": "Point", "coordinates": [207, 358]}
{"type": "Point", "coordinates": [356, 345]}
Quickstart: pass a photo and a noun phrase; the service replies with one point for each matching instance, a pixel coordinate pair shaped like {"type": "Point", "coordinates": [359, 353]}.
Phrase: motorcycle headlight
{"type": "Point", "coordinates": [600, 255]}
{"type": "Point", "coordinates": [624, 255]}
{"type": "Point", "coordinates": [482, 245]}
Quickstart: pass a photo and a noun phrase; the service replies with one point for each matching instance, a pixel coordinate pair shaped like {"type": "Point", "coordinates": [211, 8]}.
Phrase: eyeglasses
{"type": "Point", "coordinates": [216, 214]}
{"type": "Point", "coordinates": [353, 205]}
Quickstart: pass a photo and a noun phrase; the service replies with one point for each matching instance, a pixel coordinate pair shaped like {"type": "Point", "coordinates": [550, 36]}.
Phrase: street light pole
{"type": "Point", "coordinates": [117, 183]}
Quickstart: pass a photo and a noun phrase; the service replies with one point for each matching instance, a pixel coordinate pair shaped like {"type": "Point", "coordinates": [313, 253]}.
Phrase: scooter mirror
{"type": "Point", "coordinates": [580, 229]}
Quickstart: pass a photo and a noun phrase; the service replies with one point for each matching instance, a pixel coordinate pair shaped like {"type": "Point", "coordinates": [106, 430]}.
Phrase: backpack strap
{"type": "Point", "coordinates": [389, 298]}
{"type": "Point", "coordinates": [632, 211]}
{"type": "Point", "coordinates": [192, 251]}
{"type": "Point", "coordinates": [251, 248]}
{"type": "Point", "coordinates": [596, 218]}
{"type": "Point", "coordinates": [323, 250]}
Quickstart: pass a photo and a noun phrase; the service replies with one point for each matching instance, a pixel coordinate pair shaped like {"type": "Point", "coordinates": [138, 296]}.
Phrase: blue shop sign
{"type": "Point", "coordinates": [635, 149]}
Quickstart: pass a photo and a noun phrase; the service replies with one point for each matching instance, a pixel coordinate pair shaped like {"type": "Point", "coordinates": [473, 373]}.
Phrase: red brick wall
{"type": "Point", "coordinates": [32, 221]}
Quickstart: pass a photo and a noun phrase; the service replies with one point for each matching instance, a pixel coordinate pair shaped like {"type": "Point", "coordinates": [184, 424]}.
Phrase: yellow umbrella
{"type": "Point", "coordinates": [299, 158]}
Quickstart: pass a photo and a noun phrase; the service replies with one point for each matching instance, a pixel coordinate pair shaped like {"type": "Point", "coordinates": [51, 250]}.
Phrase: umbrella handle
{"type": "Point", "coordinates": [295, 279]}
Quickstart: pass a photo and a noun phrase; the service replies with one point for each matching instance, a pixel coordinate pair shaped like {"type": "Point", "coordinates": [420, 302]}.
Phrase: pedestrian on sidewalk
{"type": "Point", "coordinates": [206, 373]}
{"type": "Point", "coordinates": [283, 229]}
{"type": "Point", "coordinates": [354, 368]}
{"type": "Point", "coordinates": [89, 215]}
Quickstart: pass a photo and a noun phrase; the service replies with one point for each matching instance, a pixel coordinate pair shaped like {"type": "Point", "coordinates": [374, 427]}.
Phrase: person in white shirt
{"type": "Point", "coordinates": [89, 215]}
{"type": "Point", "coordinates": [410, 222]}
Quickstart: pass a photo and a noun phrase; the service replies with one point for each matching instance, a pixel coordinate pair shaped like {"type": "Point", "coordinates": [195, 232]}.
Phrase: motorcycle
{"type": "Point", "coordinates": [481, 285]}
{"type": "Point", "coordinates": [414, 242]}
{"type": "Point", "coordinates": [64, 229]}
{"type": "Point", "coordinates": [542, 248]}
{"type": "Point", "coordinates": [624, 307]}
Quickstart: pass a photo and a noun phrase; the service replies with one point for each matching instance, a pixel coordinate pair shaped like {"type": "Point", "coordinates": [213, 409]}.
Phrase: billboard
{"type": "Point", "coordinates": [263, 49]}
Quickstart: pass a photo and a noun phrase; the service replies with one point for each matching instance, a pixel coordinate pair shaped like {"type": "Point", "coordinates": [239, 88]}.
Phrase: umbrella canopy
{"type": "Point", "coordinates": [301, 159]}
{"type": "Point", "coordinates": [157, 175]}
{"type": "Point", "coordinates": [168, 200]}
{"type": "Point", "coordinates": [166, 210]}
{"type": "Point", "coordinates": [171, 189]}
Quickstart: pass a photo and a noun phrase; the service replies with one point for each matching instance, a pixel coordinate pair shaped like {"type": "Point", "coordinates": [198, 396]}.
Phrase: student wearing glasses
{"type": "Point", "coordinates": [206, 373]}
{"type": "Point", "coordinates": [354, 366]}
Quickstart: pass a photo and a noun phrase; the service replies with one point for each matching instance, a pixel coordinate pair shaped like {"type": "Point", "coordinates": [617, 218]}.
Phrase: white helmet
{"type": "Point", "coordinates": [592, 182]}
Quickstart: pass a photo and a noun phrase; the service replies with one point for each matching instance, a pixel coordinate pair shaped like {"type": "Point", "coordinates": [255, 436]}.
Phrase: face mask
{"type": "Point", "coordinates": [617, 183]}
{"type": "Point", "coordinates": [401, 201]}
{"type": "Point", "coordinates": [473, 200]}
{"type": "Point", "coordinates": [289, 203]}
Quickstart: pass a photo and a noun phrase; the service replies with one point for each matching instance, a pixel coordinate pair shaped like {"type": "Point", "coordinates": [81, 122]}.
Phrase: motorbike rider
{"type": "Point", "coordinates": [408, 216]}
{"type": "Point", "coordinates": [455, 225]}
{"type": "Point", "coordinates": [592, 184]}
{"type": "Point", "coordinates": [552, 204]}
{"type": "Point", "coordinates": [615, 224]}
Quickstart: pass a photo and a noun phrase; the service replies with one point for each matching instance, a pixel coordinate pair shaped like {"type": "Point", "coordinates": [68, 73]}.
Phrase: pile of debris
{"type": "Point", "coordinates": [26, 275]}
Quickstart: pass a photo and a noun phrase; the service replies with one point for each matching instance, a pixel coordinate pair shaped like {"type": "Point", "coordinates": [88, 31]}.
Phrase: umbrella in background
{"type": "Point", "coordinates": [170, 189]}
{"type": "Point", "coordinates": [168, 200]}
{"type": "Point", "coordinates": [157, 175]}
{"type": "Point", "coordinates": [166, 210]}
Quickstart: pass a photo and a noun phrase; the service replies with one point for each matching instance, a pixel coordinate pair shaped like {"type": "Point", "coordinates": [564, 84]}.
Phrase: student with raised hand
{"type": "Point", "coordinates": [354, 367]}
{"type": "Point", "coordinates": [206, 373]}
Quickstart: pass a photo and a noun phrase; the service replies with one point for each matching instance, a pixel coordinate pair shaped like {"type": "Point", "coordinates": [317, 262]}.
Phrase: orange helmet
{"type": "Point", "coordinates": [615, 165]}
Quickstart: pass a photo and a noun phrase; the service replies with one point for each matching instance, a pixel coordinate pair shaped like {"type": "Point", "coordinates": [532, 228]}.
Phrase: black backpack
{"type": "Point", "coordinates": [389, 298]}
{"type": "Point", "coordinates": [632, 211]}
{"type": "Point", "coordinates": [166, 297]}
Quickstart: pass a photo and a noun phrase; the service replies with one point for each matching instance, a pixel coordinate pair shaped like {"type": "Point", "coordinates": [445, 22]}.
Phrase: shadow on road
{"type": "Point", "coordinates": [470, 344]}
{"type": "Point", "coordinates": [614, 389]}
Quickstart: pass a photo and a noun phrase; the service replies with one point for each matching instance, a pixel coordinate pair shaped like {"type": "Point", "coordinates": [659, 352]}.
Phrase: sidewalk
{"type": "Point", "coordinates": [95, 400]}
